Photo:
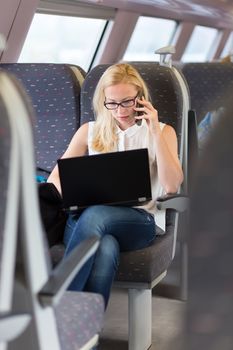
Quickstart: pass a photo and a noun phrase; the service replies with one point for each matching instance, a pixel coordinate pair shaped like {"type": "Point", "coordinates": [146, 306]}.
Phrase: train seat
{"type": "Point", "coordinates": [11, 324]}
{"type": "Point", "coordinates": [209, 312]}
{"type": "Point", "coordinates": [58, 318]}
{"type": "Point", "coordinates": [54, 91]}
{"type": "Point", "coordinates": [209, 83]}
{"type": "Point", "coordinates": [141, 270]}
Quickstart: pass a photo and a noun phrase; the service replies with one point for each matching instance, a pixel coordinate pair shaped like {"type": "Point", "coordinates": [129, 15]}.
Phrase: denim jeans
{"type": "Point", "coordinates": [119, 229]}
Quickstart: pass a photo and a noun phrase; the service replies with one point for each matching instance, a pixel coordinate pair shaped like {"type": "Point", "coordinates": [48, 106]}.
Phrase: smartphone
{"type": "Point", "coordinates": [139, 122]}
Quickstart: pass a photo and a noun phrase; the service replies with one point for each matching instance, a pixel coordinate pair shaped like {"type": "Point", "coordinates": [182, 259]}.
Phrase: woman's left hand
{"type": "Point", "coordinates": [149, 113]}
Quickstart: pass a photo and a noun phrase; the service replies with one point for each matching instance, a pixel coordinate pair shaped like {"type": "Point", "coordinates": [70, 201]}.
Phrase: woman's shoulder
{"type": "Point", "coordinates": [168, 130]}
{"type": "Point", "coordinates": [162, 125]}
{"type": "Point", "coordinates": [81, 133]}
{"type": "Point", "coordinates": [86, 127]}
{"type": "Point", "coordinates": [87, 124]}
{"type": "Point", "coordinates": [90, 128]}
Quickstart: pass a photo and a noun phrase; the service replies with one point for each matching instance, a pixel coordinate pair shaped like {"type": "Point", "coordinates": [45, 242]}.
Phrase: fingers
{"type": "Point", "coordinates": [145, 105]}
{"type": "Point", "coordinates": [147, 112]}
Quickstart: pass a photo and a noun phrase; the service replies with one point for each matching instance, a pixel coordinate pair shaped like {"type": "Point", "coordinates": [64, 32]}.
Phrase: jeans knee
{"type": "Point", "coordinates": [91, 221]}
{"type": "Point", "coordinates": [109, 249]}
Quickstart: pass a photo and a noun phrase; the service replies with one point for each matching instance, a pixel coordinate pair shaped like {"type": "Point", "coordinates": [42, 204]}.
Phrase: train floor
{"type": "Point", "coordinates": [167, 321]}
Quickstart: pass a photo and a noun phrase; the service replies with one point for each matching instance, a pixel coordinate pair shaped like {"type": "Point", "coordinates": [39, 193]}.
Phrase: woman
{"type": "Point", "coordinates": [125, 119]}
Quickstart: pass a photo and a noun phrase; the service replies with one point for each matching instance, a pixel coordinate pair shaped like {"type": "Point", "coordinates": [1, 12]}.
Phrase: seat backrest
{"type": "Point", "coordinates": [54, 91]}
{"type": "Point", "coordinates": [209, 84]}
{"type": "Point", "coordinates": [9, 202]}
{"type": "Point", "coordinates": [32, 258]}
{"type": "Point", "coordinates": [37, 289]}
{"type": "Point", "coordinates": [164, 91]}
{"type": "Point", "coordinates": [168, 92]}
{"type": "Point", "coordinates": [11, 324]}
{"type": "Point", "coordinates": [164, 87]}
{"type": "Point", "coordinates": [210, 308]}
{"type": "Point", "coordinates": [21, 116]}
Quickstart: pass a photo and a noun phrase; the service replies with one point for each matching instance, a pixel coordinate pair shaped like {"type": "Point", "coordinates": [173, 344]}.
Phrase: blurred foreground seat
{"type": "Point", "coordinates": [58, 319]}
{"type": "Point", "coordinates": [210, 308]}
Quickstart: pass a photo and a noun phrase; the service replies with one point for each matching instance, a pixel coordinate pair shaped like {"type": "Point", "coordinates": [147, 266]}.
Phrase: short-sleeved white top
{"type": "Point", "coordinates": [138, 136]}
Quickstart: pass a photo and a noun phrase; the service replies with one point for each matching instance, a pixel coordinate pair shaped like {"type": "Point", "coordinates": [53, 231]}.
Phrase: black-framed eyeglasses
{"type": "Point", "coordinates": [124, 104]}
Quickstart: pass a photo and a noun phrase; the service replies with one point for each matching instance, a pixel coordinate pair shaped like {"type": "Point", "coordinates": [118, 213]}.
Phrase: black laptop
{"type": "Point", "coordinates": [116, 178]}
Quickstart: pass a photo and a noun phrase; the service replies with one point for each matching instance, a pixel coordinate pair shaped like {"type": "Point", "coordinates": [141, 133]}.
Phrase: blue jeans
{"type": "Point", "coordinates": [119, 229]}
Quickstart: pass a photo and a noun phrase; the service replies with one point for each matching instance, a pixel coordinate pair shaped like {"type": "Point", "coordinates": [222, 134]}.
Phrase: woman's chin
{"type": "Point", "coordinates": [125, 122]}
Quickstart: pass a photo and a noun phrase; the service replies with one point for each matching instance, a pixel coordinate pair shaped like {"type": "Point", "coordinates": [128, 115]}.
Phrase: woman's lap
{"type": "Point", "coordinates": [132, 228]}
{"type": "Point", "coordinates": [119, 229]}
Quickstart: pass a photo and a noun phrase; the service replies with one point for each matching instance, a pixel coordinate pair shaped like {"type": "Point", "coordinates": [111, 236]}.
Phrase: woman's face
{"type": "Point", "coordinates": [126, 95]}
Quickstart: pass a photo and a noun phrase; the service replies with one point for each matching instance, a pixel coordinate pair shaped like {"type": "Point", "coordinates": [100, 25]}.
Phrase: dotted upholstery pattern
{"type": "Point", "coordinates": [209, 84]}
{"type": "Point", "coordinates": [145, 265]}
{"type": "Point", "coordinates": [210, 308]}
{"type": "Point", "coordinates": [163, 86]}
{"type": "Point", "coordinates": [5, 148]}
{"type": "Point", "coordinates": [79, 318]}
{"type": "Point", "coordinates": [54, 91]}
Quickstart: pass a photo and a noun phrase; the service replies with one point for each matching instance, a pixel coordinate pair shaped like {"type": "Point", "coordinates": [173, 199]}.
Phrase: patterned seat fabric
{"type": "Point", "coordinates": [54, 91]}
{"type": "Point", "coordinates": [209, 85]}
{"type": "Point", "coordinates": [145, 265]}
{"type": "Point", "coordinates": [164, 91]}
{"type": "Point", "coordinates": [77, 318]}
{"type": "Point", "coordinates": [11, 324]}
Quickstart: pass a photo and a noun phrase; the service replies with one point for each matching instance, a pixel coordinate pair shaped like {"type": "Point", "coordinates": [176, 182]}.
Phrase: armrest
{"type": "Point", "coordinates": [178, 202]}
{"type": "Point", "coordinates": [12, 325]}
{"type": "Point", "coordinates": [64, 273]}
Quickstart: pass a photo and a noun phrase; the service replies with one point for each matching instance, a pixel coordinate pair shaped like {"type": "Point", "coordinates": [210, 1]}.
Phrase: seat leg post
{"type": "Point", "coordinates": [140, 319]}
{"type": "Point", "coordinates": [184, 272]}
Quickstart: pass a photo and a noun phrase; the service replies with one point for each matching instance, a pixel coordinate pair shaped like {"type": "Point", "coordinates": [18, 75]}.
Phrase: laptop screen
{"type": "Point", "coordinates": [116, 178]}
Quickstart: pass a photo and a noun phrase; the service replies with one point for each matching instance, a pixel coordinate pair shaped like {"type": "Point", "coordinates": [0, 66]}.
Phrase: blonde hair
{"type": "Point", "coordinates": [227, 59]}
{"type": "Point", "coordinates": [104, 134]}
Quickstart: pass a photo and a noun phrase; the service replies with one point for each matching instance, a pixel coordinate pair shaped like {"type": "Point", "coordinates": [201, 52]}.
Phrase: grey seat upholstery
{"type": "Point", "coordinates": [58, 318]}
{"type": "Point", "coordinates": [209, 84]}
{"type": "Point", "coordinates": [54, 91]}
{"type": "Point", "coordinates": [209, 308]}
{"type": "Point", "coordinates": [141, 270]}
{"type": "Point", "coordinates": [11, 325]}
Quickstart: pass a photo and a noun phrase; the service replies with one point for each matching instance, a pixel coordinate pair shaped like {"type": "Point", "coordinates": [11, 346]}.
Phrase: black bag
{"type": "Point", "coordinates": [53, 216]}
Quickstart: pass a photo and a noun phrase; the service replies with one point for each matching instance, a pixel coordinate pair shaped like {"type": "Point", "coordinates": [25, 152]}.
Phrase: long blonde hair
{"type": "Point", "coordinates": [104, 134]}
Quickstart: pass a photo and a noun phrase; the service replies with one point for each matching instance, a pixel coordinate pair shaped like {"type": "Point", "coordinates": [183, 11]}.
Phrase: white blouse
{"type": "Point", "coordinates": [138, 136]}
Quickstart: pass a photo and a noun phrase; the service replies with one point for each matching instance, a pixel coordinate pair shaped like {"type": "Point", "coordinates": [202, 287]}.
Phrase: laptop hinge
{"type": "Point", "coordinates": [73, 208]}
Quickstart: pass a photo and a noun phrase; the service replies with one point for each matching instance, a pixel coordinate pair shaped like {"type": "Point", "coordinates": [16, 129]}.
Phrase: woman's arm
{"type": "Point", "coordinates": [170, 173]}
{"type": "Point", "coordinates": [169, 169]}
{"type": "Point", "coordinates": [77, 147]}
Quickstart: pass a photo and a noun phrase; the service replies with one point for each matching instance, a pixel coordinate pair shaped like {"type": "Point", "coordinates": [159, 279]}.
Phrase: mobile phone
{"type": "Point", "coordinates": [139, 122]}
{"type": "Point", "coordinates": [138, 113]}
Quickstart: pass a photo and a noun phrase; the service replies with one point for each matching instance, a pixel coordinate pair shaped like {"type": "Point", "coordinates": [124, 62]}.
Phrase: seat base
{"type": "Point", "coordinates": [140, 312]}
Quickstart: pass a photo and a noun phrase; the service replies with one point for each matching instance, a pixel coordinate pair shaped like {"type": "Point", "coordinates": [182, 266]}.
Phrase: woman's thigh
{"type": "Point", "coordinates": [133, 228]}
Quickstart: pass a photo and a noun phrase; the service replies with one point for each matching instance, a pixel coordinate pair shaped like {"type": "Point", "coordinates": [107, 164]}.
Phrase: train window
{"type": "Point", "coordinates": [62, 39]}
{"type": "Point", "coordinates": [228, 49]}
{"type": "Point", "coordinates": [142, 46]}
{"type": "Point", "coordinates": [200, 44]}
